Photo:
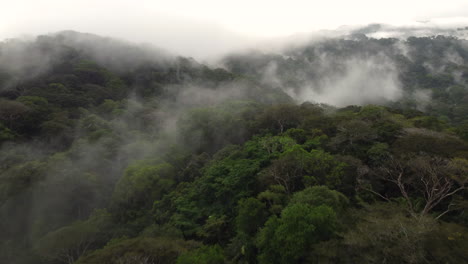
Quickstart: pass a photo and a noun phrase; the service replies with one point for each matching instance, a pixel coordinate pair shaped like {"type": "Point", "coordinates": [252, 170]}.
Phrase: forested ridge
{"type": "Point", "coordinates": [342, 150]}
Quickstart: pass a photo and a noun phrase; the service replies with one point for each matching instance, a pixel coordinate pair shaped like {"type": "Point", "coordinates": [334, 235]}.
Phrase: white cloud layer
{"type": "Point", "coordinates": [210, 27]}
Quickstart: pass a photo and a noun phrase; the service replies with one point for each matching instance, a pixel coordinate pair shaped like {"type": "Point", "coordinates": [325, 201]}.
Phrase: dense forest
{"type": "Point", "coordinates": [339, 150]}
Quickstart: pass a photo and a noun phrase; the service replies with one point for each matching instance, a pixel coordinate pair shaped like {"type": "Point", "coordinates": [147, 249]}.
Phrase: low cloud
{"type": "Point", "coordinates": [356, 82]}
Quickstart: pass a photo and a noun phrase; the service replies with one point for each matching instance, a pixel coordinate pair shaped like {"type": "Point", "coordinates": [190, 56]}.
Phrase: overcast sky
{"type": "Point", "coordinates": [204, 27]}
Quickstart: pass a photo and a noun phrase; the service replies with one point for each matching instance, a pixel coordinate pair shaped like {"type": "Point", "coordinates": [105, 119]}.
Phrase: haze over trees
{"type": "Point", "coordinates": [343, 150]}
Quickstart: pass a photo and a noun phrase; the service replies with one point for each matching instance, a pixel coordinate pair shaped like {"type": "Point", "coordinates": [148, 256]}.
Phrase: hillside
{"type": "Point", "coordinates": [425, 73]}
{"type": "Point", "coordinates": [348, 149]}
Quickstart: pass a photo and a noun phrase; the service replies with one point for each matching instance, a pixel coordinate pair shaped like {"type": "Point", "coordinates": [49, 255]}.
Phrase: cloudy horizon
{"type": "Point", "coordinates": [209, 28]}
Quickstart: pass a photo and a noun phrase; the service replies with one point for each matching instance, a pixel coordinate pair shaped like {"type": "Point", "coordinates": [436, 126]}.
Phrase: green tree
{"type": "Point", "coordinates": [139, 250]}
{"type": "Point", "coordinates": [139, 187]}
{"type": "Point", "coordinates": [384, 233]}
{"type": "Point", "coordinates": [69, 243]}
{"type": "Point", "coordinates": [296, 167]}
{"type": "Point", "coordinates": [11, 111]}
{"type": "Point", "coordinates": [321, 195]}
{"type": "Point", "coordinates": [251, 215]}
{"type": "Point", "coordinates": [275, 197]}
{"type": "Point", "coordinates": [203, 255]}
{"type": "Point", "coordinates": [5, 133]}
{"type": "Point", "coordinates": [289, 238]}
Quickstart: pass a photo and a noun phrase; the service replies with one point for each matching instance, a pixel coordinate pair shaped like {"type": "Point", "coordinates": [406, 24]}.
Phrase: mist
{"type": "Point", "coordinates": [120, 108]}
{"type": "Point", "coordinates": [209, 29]}
{"type": "Point", "coordinates": [356, 81]}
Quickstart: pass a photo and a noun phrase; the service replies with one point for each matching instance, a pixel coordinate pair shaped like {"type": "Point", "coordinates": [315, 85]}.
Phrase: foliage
{"type": "Point", "coordinates": [288, 238]}
{"type": "Point", "coordinates": [68, 243]}
{"type": "Point", "coordinates": [140, 250]}
{"type": "Point", "coordinates": [203, 255]}
{"type": "Point", "coordinates": [321, 195]}
{"type": "Point", "coordinates": [112, 154]}
{"type": "Point", "coordinates": [141, 184]}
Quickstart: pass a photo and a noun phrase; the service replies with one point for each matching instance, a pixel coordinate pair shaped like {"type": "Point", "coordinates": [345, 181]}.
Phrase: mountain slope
{"type": "Point", "coordinates": [424, 73]}
{"type": "Point", "coordinates": [117, 153]}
